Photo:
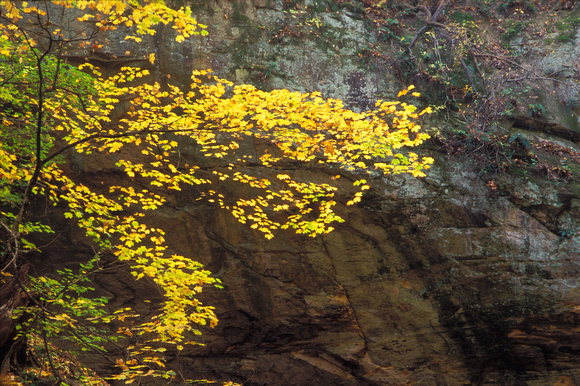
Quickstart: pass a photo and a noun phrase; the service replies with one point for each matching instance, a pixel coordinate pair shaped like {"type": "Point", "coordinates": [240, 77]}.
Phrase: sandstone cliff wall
{"type": "Point", "coordinates": [438, 280]}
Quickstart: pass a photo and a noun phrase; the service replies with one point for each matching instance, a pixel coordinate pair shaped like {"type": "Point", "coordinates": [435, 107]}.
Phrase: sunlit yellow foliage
{"type": "Point", "coordinates": [72, 112]}
{"type": "Point", "coordinates": [302, 128]}
{"type": "Point", "coordinates": [109, 14]}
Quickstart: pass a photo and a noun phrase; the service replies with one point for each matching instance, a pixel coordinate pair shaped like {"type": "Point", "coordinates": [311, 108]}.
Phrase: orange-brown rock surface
{"type": "Point", "coordinates": [439, 280]}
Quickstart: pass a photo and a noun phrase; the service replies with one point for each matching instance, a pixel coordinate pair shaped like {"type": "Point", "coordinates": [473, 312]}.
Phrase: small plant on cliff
{"type": "Point", "coordinates": [50, 109]}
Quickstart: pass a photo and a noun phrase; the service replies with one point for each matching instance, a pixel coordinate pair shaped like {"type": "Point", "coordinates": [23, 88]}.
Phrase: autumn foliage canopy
{"type": "Point", "coordinates": [50, 109]}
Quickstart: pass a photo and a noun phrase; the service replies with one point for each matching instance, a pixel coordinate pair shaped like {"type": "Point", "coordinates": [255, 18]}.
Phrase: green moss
{"type": "Point", "coordinates": [323, 6]}
{"type": "Point", "coordinates": [528, 6]}
{"type": "Point", "coordinates": [356, 7]}
{"type": "Point", "coordinates": [461, 17]}
{"type": "Point", "coordinates": [567, 28]}
{"type": "Point", "coordinates": [514, 29]}
{"type": "Point", "coordinates": [196, 6]}
{"type": "Point", "coordinates": [239, 17]}
{"type": "Point", "coordinates": [566, 37]}
{"type": "Point", "coordinates": [575, 22]}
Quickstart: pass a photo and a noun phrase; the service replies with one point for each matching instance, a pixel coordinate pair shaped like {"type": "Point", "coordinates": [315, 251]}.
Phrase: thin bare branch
{"type": "Point", "coordinates": [430, 23]}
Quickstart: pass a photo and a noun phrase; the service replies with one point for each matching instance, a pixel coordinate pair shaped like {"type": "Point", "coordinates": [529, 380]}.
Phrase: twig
{"type": "Point", "coordinates": [49, 357]}
{"type": "Point", "coordinates": [117, 135]}
{"type": "Point", "coordinates": [534, 78]}
{"type": "Point", "coordinates": [503, 60]}
{"type": "Point", "coordinates": [479, 71]}
{"type": "Point", "coordinates": [468, 75]}
{"type": "Point", "coordinates": [430, 23]}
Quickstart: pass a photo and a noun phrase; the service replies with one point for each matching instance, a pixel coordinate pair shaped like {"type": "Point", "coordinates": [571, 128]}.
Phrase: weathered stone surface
{"type": "Point", "coordinates": [439, 280]}
{"type": "Point", "coordinates": [417, 286]}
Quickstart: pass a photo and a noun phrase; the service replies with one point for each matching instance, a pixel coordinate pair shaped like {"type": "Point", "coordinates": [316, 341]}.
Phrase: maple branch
{"type": "Point", "coordinates": [38, 134]}
{"type": "Point", "coordinates": [108, 136]}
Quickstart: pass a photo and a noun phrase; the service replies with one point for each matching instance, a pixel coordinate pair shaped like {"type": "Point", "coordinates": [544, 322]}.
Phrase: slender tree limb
{"type": "Point", "coordinates": [420, 33]}
{"type": "Point", "coordinates": [503, 60]}
{"type": "Point", "coordinates": [479, 72]}
{"type": "Point", "coordinates": [430, 23]}
{"type": "Point", "coordinates": [532, 71]}
{"type": "Point", "coordinates": [535, 78]}
{"type": "Point", "coordinates": [471, 84]}
{"type": "Point", "coordinates": [108, 136]}
{"type": "Point", "coordinates": [49, 357]}
{"type": "Point", "coordinates": [39, 121]}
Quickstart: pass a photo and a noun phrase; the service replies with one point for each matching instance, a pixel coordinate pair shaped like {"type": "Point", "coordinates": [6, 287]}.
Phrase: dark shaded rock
{"type": "Point", "coordinates": [431, 281]}
{"type": "Point", "coordinates": [533, 124]}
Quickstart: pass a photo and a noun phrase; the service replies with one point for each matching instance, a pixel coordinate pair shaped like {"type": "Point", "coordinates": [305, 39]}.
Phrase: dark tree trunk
{"type": "Point", "coordinates": [12, 297]}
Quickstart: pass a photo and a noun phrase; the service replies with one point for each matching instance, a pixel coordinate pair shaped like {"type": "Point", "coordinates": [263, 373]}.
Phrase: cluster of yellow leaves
{"type": "Point", "coordinates": [303, 128]}
{"type": "Point", "coordinates": [78, 114]}
{"type": "Point", "coordinates": [9, 170]}
{"type": "Point", "coordinates": [180, 278]}
{"type": "Point", "coordinates": [109, 14]}
{"type": "Point", "coordinates": [12, 11]}
{"type": "Point", "coordinates": [307, 129]}
{"type": "Point", "coordinates": [212, 117]}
